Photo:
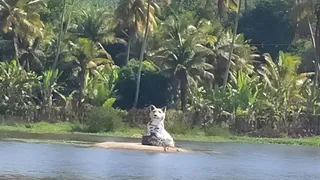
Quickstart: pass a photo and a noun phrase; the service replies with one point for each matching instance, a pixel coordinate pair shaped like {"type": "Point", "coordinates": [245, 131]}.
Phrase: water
{"type": "Point", "coordinates": [221, 161]}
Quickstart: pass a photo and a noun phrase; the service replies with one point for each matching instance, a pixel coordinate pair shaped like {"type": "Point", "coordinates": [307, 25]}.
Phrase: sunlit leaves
{"type": "Point", "coordinates": [225, 5]}
{"type": "Point", "coordinates": [131, 14]}
{"type": "Point", "coordinates": [23, 18]}
{"type": "Point", "coordinates": [100, 87]}
{"type": "Point", "coordinates": [96, 24]}
{"type": "Point", "coordinates": [182, 55]}
{"type": "Point", "coordinates": [17, 89]}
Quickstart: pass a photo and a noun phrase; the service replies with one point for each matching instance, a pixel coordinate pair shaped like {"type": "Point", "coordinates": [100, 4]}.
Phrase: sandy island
{"type": "Point", "coordinates": [139, 146]}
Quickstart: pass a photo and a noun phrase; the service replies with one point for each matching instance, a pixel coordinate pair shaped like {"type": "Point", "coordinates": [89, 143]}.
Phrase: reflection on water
{"type": "Point", "coordinates": [19, 160]}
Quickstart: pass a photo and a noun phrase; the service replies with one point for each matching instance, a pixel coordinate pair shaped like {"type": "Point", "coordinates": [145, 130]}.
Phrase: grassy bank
{"type": "Point", "coordinates": [67, 128]}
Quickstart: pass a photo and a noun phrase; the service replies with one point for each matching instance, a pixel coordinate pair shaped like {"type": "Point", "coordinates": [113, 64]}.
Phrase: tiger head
{"type": "Point", "coordinates": [157, 115]}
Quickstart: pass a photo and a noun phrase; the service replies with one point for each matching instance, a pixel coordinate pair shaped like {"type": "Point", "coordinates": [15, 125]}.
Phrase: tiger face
{"type": "Point", "coordinates": [157, 115]}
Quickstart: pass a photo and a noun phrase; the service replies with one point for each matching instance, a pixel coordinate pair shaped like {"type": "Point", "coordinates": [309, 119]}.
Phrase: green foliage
{"type": "Point", "coordinates": [22, 14]}
{"type": "Point", "coordinates": [215, 130]}
{"type": "Point", "coordinates": [18, 90]}
{"type": "Point", "coordinates": [56, 88]}
{"type": "Point", "coordinates": [299, 46]}
{"type": "Point", "coordinates": [258, 26]}
{"type": "Point", "coordinates": [129, 71]}
{"type": "Point", "coordinates": [100, 87]}
{"type": "Point", "coordinates": [79, 127]}
{"type": "Point", "coordinates": [175, 122]}
{"type": "Point", "coordinates": [94, 23]}
{"type": "Point", "coordinates": [285, 89]}
{"type": "Point", "coordinates": [186, 56]}
{"type": "Point", "coordinates": [270, 97]}
{"type": "Point", "coordinates": [182, 56]}
{"type": "Point", "coordinates": [53, 11]}
{"type": "Point", "coordinates": [104, 119]}
{"type": "Point", "coordinates": [131, 14]}
{"type": "Point", "coordinates": [155, 88]}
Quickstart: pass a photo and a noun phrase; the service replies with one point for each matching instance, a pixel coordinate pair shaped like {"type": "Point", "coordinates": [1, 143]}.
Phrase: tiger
{"type": "Point", "coordinates": [156, 133]}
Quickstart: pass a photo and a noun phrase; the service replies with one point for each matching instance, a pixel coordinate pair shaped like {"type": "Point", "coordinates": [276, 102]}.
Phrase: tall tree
{"type": "Point", "coordinates": [48, 93]}
{"type": "Point", "coordinates": [225, 79]}
{"type": "Point", "coordinates": [225, 5]}
{"type": "Point", "coordinates": [21, 20]}
{"type": "Point", "coordinates": [130, 15]}
{"type": "Point", "coordinates": [284, 87]}
{"type": "Point", "coordinates": [304, 10]}
{"type": "Point", "coordinates": [143, 47]}
{"type": "Point", "coordinates": [95, 23]}
{"type": "Point", "coordinates": [88, 55]}
{"type": "Point", "coordinates": [182, 56]}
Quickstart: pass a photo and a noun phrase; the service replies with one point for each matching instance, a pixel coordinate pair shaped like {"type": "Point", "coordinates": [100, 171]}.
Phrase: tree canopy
{"type": "Point", "coordinates": [61, 57]}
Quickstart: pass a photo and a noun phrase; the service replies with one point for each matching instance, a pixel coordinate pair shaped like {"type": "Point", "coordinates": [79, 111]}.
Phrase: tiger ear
{"type": "Point", "coordinates": [164, 109]}
{"type": "Point", "coordinates": [152, 107]}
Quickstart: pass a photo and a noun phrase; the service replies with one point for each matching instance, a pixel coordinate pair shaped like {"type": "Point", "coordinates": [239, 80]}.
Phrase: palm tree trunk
{"type": "Point", "coordinates": [128, 51]}
{"type": "Point", "coordinates": [55, 62]}
{"type": "Point", "coordinates": [183, 88]}
{"type": "Point", "coordinates": [73, 2]}
{"type": "Point", "coordinates": [245, 5]}
{"type": "Point", "coordinates": [82, 82]}
{"type": "Point", "coordinates": [67, 23]}
{"type": "Point", "coordinates": [226, 74]}
{"type": "Point", "coordinates": [174, 82]}
{"type": "Point", "coordinates": [317, 40]}
{"type": "Point", "coordinates": [318, 43]}
{"type": "Point", "coordinates": [180, 5]}
{"type": "Point", "coordinates": [4, 4]}
{"type": "Point", "coordinates": [316, 70]}
{"type": "Point", "coordinates": [143, 48]}
{"type": "Point", "coordinates": [48, 99]}
{"type": "Point", "coordinates": [15, 45]}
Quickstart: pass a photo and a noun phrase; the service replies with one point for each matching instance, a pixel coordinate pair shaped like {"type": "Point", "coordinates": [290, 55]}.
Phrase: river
{"type": "Point", "coordinates": [38, 159]}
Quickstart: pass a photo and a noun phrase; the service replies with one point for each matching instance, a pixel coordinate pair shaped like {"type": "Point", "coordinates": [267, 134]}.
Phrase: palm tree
{"type": "Point", "coordinates": [135, 102]}
{"type": "Point", "coordinates": [224, 5]}
{"type": "Point", "coordinates": [47, 103]}
{"type": "Point", "coordinates": [151, 6]}
{"type": "Point", "coordinates": [131, 18]}
{"type": "Point", "coordinates": [225, 79]}
{"type": "Point", "coordinates": [241, 58]}
{"type": "Point", "coordinates": [88, 56]}
{"type": "Point", "coordinates": [95, 24]}
{"type": "Point", "coordinates": [93, 30]}
{"type": "Point", "coordinates": [284, 88]}
{"type": "Point", "coordinates": [245, 5]}
{"type": "Point", "coordinates": [99, 89]}
{"type": "Point", "coordinates": [303, 10]}
{"type": "Point", "coordinates": [21, 20]}
{"type": "Point", "coordinates": [216, 38]}
{"type": "Point", "coordinates": [182, 57]}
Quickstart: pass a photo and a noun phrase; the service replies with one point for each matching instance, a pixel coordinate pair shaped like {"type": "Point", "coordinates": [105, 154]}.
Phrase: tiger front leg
{"type": "Point", "coordinates": [148, 133]}
{"type": "Point", "coordinates": [165, 147]}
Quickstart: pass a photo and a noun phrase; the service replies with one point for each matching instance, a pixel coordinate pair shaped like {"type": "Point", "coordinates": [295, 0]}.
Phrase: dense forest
{"type": "Point", "coordinates": [249, 65]}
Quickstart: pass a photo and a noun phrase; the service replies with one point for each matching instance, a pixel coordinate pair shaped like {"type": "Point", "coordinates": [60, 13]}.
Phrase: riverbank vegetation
{"type": "Point", "coordinates": [128, 132]}
{"type": "Point", "coordinates": [222, 68]}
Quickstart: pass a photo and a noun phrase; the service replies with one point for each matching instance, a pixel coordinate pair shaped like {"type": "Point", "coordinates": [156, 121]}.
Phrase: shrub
{"type": "Point", "coordinates": [138, 116]}
{"type": "Point", "coordinates": [18, 90]}
{"type": "Point", "coordinates": [175, 122]}
{"type": "Point", "coordinates": [78, 127]}
{"type": "Point", "coordinates": [104, 119]}
{"type": "Point", "coordinates": [215, 130]}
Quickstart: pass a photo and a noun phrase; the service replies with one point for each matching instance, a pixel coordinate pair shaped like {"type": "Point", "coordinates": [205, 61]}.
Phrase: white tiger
{"type": "Point", "coordinates": [156, 125]}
